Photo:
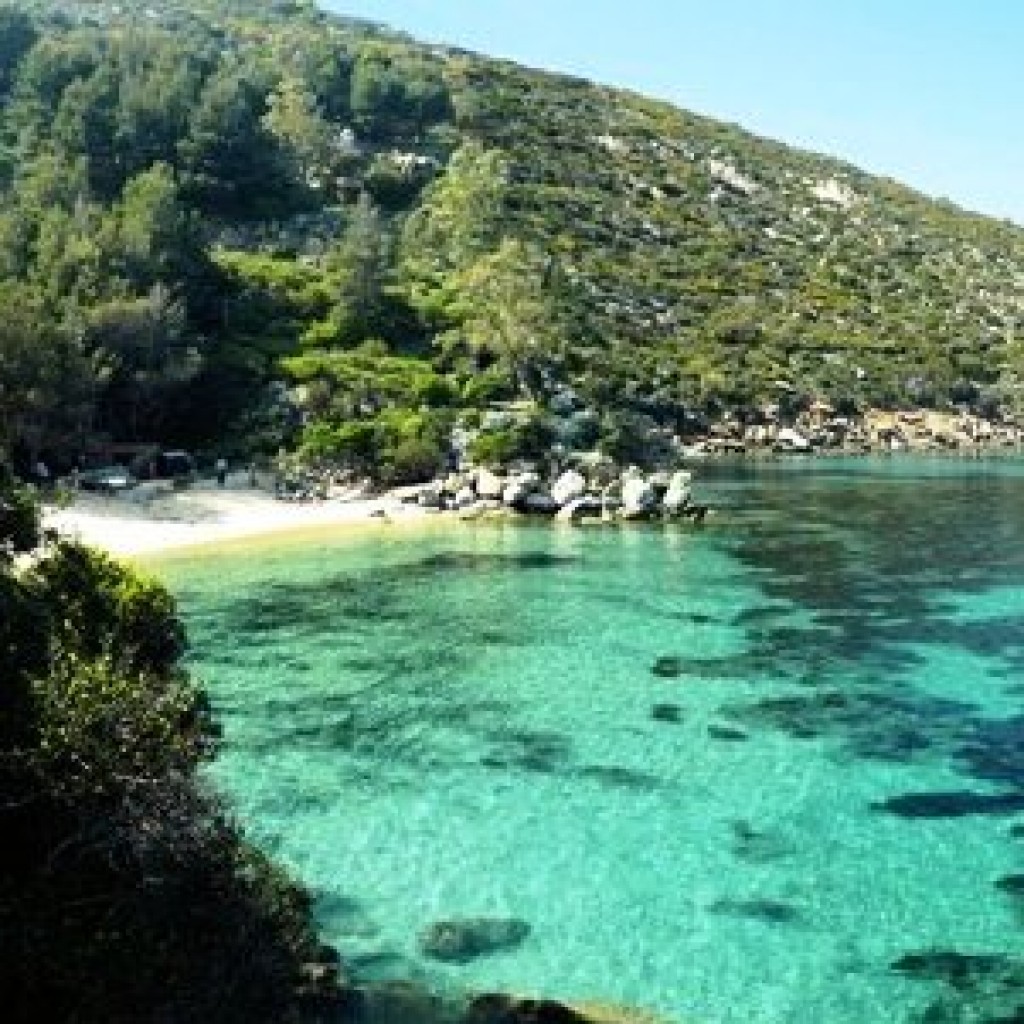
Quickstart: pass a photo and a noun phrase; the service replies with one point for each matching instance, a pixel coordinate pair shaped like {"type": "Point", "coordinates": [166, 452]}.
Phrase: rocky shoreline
{"type": "Point", "coordinates": [602, 493]}
{"type": "Point", "coordinates": [323, 998]}
{"type": "Point", "coordinates": [820, 431]}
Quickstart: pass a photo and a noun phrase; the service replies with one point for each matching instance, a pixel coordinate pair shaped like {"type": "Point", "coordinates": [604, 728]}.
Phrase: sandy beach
{"type": "Point", "coordinates": [150, 520]}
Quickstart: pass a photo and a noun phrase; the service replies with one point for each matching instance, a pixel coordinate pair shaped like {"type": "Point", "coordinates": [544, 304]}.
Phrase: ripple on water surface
{"type": "Point", "coordinates": [767, 772]}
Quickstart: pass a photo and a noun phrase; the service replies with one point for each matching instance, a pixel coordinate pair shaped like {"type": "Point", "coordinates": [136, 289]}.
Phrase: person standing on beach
{"type": "Point", "coordinates": [221, 469]}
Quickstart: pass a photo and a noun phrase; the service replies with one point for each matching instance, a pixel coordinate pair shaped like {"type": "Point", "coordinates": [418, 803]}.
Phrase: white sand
{"type": "Point", "coordinates": [148, 520]}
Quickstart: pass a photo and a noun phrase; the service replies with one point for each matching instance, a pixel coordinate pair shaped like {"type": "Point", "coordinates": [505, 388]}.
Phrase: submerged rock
{"type": "Point", "coordinates": [617, 776]}
{"type": "Point", "coordinates": [668, 667]}
{"type": "Point", "coordinates": [1012, 885]}
{"type": "Point", "coordinates": [727, 733]}
{"type": "Point", "coordinates": [955, 804]}
{"type": "Point", "coordinates": [950, 967]}
{"type": "Point", "coordinates": [667, 713]}
{"type": "Point", "coordinates": [758, 909]}
{"type": "Point", "coordinates": [758, 846]}
{"type": "Point", "coordinates": [462, 939]}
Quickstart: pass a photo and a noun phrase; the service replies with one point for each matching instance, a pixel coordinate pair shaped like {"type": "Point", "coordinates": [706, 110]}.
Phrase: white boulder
{"type": "Point", "coordinates": [639, 498]}
{"type": "Point", "coordinates": [519, 488]}
{"type": "Point", "coordinates": [569, 486]}
{"type": "Point", "coordinates": [489, 485]}
{"type": "Point", "coordinates": [678, 496]}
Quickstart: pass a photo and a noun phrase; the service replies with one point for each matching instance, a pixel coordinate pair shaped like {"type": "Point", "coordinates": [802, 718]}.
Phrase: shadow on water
{"type": "Point", "coordinates": [974, 988]}
{"type": "Point", "coordinates": [377, 596]}
{"type": "Point", "coordinates": [858, 560]}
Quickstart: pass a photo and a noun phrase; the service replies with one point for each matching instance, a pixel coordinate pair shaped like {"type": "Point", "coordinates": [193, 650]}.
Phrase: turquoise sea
{"type": "Point", "coordinates": [812, 813]}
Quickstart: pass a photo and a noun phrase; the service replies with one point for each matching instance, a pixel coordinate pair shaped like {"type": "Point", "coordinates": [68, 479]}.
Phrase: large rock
{"type": "Point", "coordinates": [678, 496]}
{"type": "Point", "coordinates": [613, 489]}
{"type": "Point", "coordinates": [639, 498]}
{"type": "Point", "coordinates": [464, 498]}
{"type": "Point", "coordinates": [585, 507]}
{"type": "Point", "coordinates": [660, 482]}
{"type": "Point", "coordinates": [397, 1002]}
{"type": "Point", "coordinates": [497, 1008]}
{"type": "Point", "coordinates": [462, 939]}
{"type": "Point", "coordinates": [489, 485]}
{"type": "Point", "coordinates": [519, 488]}
{"type": "Point", "coordinates": [538, 504]}
{"type": "Point", "coordinates": [455, 482]}
{"type": "Point", "coordinates": [431, 495]}
{"type": "Point", "coordinates": [569, 486]}
{"type": "Point", "coordinates": [500, 1008]}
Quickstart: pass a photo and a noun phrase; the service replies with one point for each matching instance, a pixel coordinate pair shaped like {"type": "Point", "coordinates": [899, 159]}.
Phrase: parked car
{"type": "Point", "coordinates": [108, 479]}
{"type": "Point", "coordinates": [175, 465]}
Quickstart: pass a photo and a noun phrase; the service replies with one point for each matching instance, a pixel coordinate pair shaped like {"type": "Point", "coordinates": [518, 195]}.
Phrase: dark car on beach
{"type": "Point", "coordinates": [174, 465]}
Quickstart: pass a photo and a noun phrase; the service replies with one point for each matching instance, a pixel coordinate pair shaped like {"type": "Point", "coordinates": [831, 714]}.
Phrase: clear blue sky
{"type": "Point", "coordinates": [930, 92]}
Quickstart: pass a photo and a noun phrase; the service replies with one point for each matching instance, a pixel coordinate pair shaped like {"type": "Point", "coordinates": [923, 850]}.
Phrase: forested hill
{"type": "Point", "coordinates": [224, 219]}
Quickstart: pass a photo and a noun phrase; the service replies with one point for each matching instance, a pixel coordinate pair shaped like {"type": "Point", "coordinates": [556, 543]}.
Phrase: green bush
{"type": "Point", "coordinates": [353, 444]}
{"type": "Point", "coordinates": [495, 447]}
{"type": "Point", "coordinates": [127, 893]}
{"type": "Point", "coordinates": [491, 385]}
{"type": "Point", "coordinates": [413, 460]}
{"type": "Point", "coordinates": [531, 439]}
{"type": "Point", "coordinates": [100, 608]}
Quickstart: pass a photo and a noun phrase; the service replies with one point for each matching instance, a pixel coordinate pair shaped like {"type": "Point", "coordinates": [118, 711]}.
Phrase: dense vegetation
{"type": "Point", "coordinates": [126, 893]}
{"type": "Point", "coordinates": [257, 225]}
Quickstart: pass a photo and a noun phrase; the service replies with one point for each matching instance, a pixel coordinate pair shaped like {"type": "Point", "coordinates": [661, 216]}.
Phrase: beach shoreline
{"type": "Point", "coordinates": [146, 523]}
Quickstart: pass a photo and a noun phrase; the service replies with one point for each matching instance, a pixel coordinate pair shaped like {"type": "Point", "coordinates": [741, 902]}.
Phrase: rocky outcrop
{"type": "Point", "coordinates": [499, 1008]}
{"type": "Point", "coordinates": [503, 1009]}
{"type": "Point", "coordinates": [595, 490]}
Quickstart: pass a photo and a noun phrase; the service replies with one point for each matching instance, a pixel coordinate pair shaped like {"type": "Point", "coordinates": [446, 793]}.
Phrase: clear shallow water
{"type": "Point", "coordinates": [459, 723]}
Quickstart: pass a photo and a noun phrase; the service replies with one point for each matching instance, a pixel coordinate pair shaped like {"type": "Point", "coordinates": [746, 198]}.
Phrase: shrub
{"type": "Point", "coordinates": [494, 447]}
{"type": "Point", "coordinates": [413, 460]}
{"type": "Point", "coordinates": [531, 439]}
{"type": "Point", "coordinates": [127, 893]}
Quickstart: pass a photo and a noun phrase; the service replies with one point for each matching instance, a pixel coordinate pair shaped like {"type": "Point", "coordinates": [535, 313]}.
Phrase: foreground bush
{"type": "Point", "coordinates": [127, 893]}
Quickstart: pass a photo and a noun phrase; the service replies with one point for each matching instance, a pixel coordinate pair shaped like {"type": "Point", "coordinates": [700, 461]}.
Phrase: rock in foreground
{"type": "Point", "coordinates": [505, 1009]}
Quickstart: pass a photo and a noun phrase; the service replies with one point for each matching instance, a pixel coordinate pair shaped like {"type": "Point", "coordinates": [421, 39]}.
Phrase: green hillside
{"type": "Point", "coordinates": [262, 226]}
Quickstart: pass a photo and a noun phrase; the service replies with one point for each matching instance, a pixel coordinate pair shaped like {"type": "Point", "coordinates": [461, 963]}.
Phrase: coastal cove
{"type": "Point", "coordinates": [767, 771]}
